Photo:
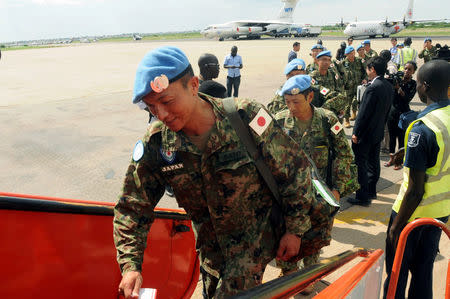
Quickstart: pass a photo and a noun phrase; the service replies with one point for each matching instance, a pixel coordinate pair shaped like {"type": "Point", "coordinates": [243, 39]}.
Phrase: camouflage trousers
{"type": "Point", "coordinates": [322, 224]}
{"type": "Point", "coordinates": [350, 104]}
{"type": "Point", "coordinates": [355, 105]}
{"type": "Point", "coordinates": [242, 276]}
{"type": "Point", "coordinates": [234, 267]}
{"type": "Point", "coordinates": [288, 267]}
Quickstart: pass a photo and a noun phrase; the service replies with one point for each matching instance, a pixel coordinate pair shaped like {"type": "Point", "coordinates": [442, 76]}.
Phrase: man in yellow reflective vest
{"type": "Point", "coordinates": [406, 54]}
{"type": "Point", "coordinates": [425, 191]}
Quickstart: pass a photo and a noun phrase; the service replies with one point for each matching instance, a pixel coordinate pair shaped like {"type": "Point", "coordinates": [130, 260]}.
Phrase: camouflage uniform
{"type": "Point", "coordinates": [312, 67]}
{"type": "Point", "coordinates": [278, 103]}
{"type": "Point", "coordinates": [364, 63]}
{"type": "Point", "coordinates": [317, 141]}
{"type": "Point", "coordinates": [337, 67]}
{"type": "Point", "coordinates": [331, 87]}
{"type": "Point", "coordinates": [427, 55]}
{"type": "Point", "coordinates": [223, 194]}
{"type": "Point", "coordinates": [371, 53]}
{"type": "Point", "coordinates": [355, 73]}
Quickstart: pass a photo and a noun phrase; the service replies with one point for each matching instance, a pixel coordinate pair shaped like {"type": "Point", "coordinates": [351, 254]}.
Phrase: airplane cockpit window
{"type": "Point", "coordinates": [352, 25]}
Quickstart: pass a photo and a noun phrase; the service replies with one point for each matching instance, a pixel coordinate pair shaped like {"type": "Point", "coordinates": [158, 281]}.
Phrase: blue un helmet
{"type": "Point", "coordinates": [295, 64]}
{"type": "Point", "coordinates": [296, 85]}
{"type": "Point", "coordinates": [349, 50]}
{"type": "Point", "coordinates": [157, 70]}
{"type": "Point", "coordinates": [324, 53]}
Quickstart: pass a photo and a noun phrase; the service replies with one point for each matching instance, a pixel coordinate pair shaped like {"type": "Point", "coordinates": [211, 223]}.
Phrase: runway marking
{"type": "Point", "coordinates": [359, 217]}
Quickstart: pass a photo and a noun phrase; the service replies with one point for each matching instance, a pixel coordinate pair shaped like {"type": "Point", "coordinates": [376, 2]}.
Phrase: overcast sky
{"type": "Point", "coordinates": [42, 19]}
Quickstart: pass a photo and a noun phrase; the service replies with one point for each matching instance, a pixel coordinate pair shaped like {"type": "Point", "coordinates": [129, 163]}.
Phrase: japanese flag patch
{"type": "Point", "coordinates": [324, 91]}
{"type": "Point", "coordinates": [336, 128]}
{"type": "Point", "coordinates": [413, 139]}
{"type": "Point", "coordinates": [313, 81]}
{"type": "Point", "coordinates": [261, 121]}
{"type": "Point", "coordinates": [168, 156]}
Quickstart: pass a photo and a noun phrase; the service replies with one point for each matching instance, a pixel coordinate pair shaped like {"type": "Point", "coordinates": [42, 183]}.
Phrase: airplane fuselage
{"type": "Point", "coordinates": [373, 28]}
{"type": "Point", "coordinates": [247, 29]}
{"type": "Point", "coordinates": [281, 26]}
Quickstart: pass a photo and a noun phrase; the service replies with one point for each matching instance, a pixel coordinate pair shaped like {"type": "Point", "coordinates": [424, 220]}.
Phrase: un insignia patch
{"type": "Point", "coordinates": [168, 156]}
{"type": "Point", "coordinates": [413, 139]}
{"type": "Point", "coordinates": [138, 151]}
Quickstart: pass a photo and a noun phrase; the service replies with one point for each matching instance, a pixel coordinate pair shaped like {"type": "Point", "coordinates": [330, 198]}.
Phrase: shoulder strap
{"type": "Point", "coordinates": [327, 126]}
{"type": "Point", "coordinates": [246, 138]}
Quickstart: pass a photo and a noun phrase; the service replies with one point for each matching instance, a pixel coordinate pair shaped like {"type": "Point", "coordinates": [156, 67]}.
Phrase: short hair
{"type": "Point", "coordinates": [350, 38]}
{"type": "Point", "coordinates": [435, 75]}
{"type": "Point", "coordinates": [413, 63]}
{"type": "Point", "coordinates": [386, 55]}
{"type": "Point", "coordinates": [379, 64]}
{"type": "Point", "coordinates": [207, 58]}
{"type": "Point", "coordinates": [393, 38]}
{"type": "Point", "coordinates": [408, 41]}
{"type": "Point", "coordinates": [189, 74]}
{"type": "Point", "coordinates": [295, 44]}
{"type": "Point", "coordinates": [213, 88]}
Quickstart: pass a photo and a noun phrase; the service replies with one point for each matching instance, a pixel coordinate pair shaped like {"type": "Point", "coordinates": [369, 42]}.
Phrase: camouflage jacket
{"type": "Point", "coordinates": [427, 55]}
{"type": "Point", "coordinates": [329, 87]}
{"type": "Point", "coordinates": [337, 68]}
{"type": "Point", "coordinates": [364, 60]}
{"type": "Point", "coordinates": [316, 142]}
{"type": "Point", "coordinates": [311, 67]}
{"type": "Point", "coordinates": [355, 73]}
{"type": "Point", "coordinates": [220, 189]}
{"type": "Point", "coordinates": [277, 103]}
{"type": "Point", "coordinates": [371, 53]}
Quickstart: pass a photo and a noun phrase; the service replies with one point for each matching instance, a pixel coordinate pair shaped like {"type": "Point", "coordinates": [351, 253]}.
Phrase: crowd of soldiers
{"type": "Point", "coordinates": [244, 173]}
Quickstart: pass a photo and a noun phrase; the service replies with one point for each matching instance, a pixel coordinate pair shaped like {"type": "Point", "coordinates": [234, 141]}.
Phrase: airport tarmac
{"type": "Point", "coordinates": [69, 128]}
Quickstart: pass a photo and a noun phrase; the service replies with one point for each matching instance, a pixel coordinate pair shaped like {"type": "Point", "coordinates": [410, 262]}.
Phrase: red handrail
{"type": "Point", "coordinates": [401, 248]}
{"type": "Point", "coordinates": [346, 283]}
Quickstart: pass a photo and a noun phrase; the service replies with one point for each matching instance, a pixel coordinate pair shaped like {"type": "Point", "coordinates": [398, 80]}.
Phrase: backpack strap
{"type": "Point", "coordinates": [246, 138]}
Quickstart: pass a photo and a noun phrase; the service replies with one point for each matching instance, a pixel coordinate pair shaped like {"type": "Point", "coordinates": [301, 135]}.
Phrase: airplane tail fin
{"type": "Point", "coordinates": [287, 10]}
{"type": "Point", "coordinates": [409, 11]}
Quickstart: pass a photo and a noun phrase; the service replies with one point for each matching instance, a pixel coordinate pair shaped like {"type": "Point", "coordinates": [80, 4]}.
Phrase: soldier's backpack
{"type": "Point", "coordinates": [322, 212]}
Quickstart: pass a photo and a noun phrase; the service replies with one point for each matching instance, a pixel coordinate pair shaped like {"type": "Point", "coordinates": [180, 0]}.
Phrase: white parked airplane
{"type": "Point", "coordinates": [383, 28]}
{"type": "Point", "coordinates": [251, 29]}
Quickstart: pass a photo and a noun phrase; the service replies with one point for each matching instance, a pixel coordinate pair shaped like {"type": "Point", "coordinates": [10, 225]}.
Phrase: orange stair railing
{"type": "Point", "coordinates": [401, 248]}
{"type": "Point", "coordinates": [370, 269]}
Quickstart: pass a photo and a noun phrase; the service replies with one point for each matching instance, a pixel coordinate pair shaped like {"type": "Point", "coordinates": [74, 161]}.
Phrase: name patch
{"type": "Point", "coordinates": [172, 167]}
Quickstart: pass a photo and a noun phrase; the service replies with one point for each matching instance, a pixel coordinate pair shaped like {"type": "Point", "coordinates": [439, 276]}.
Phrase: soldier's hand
{"type": "Point", "coordinates": [131, 284]}
{"type": "Point", "coordinates": [289, 246]}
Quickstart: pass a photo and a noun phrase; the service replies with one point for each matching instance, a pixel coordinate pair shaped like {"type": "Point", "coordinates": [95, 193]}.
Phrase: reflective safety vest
{"type": "Point", "coordinates": [436, 199]}
{"type": "Point", "coordinates": [406, 54]}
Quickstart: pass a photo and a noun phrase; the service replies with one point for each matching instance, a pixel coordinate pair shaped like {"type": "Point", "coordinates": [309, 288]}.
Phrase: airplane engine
{"type": "Point", "coordinates": [255, 29]}
{"type": "Point", "coordinates": [242, 30]}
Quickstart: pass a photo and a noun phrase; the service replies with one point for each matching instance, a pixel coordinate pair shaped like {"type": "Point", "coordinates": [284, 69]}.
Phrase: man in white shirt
{"type": "Point", "coordinates": [233, 63]}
